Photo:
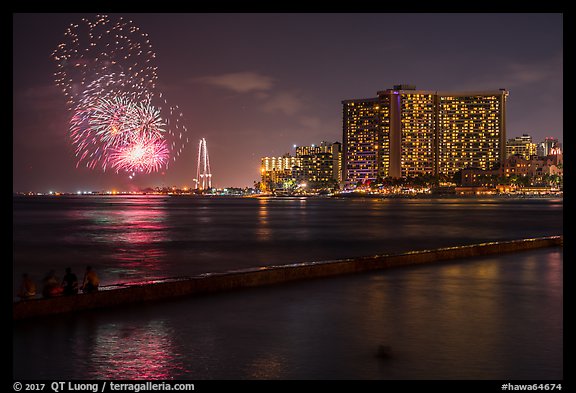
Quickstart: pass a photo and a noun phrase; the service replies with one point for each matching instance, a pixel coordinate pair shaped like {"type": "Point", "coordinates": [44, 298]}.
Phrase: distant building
{"type": "Point", "coordinates": [549, 146]}
{"type": "Point", "coordinates": [406, 132]}
{"type": "Point", "coordinates": [276, 172]}
{"type": "Point", "coordinates": [412, 130]}
{"type": "Point", "coordinates": [521, 145]}
{"type": "Point", "coordinates": [516, 165]}
{"type": "Point", "coordinates": [534, 169]}
{"type": "Point", "coordinates": [366, 134]}
{"type": "Point", "coordinates": [475, 177]}
{"type": "Point", "coordinates": [323, 147]}
{"type": "Point", "coordinates": [471, 130]}
{"type": "Point", "coordinates": [321, 164]}
{"type": "Point", "coordinates": [316, 166]}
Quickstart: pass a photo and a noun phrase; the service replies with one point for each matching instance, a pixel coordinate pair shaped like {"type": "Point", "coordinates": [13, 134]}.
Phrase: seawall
{"type": "Point", "coordinates": [216, 282]}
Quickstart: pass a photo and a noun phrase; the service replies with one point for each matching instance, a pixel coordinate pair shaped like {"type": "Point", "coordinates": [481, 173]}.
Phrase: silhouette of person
{"type": "Point", "coordinates": [91, 281]}
{"type": "Point", "coordinates": [27, 287]}
{"type": "Point", "coordinates": [51, 284]}
{"type": "Point", "coordinates": [70, 283]}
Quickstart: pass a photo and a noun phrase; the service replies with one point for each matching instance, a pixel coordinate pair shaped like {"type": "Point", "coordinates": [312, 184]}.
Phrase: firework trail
{"type": "Point", "coordinates": [106, 70]}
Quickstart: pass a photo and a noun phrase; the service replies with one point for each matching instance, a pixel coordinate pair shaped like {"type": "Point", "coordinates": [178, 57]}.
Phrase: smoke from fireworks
{"type": "Point", "coordinates": [106, 71]}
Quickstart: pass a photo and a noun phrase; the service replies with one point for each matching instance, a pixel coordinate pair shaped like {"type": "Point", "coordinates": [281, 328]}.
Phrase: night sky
{"type": "Point", "coordinates": [255, 84]}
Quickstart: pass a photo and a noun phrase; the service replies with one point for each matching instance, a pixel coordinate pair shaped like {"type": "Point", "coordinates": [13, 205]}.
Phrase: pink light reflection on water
{"type": "Point", "coordinates": [126, 351]}
{"type": "Point", "coordinates": [131, 231]}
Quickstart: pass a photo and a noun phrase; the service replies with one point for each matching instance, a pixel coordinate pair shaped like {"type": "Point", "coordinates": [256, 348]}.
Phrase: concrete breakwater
{"type": "Point", "coordinates": [125, 294]}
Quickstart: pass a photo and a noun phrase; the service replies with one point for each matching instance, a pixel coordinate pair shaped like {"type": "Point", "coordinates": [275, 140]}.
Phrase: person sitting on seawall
{"type": "Point", "coordinates": [27, 288]}
{"type": "Point", "coordinates": [51, 286]}
{"type": "Point", "coordinates": [91, 281]}
{"type": "Point", "coordinates": [70, 283]}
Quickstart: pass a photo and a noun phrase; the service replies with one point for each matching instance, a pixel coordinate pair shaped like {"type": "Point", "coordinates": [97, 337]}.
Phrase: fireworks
{"type": "Point", "coordinates": [106, 71]}
{"type": "Point", "coordinates": [119, 121]}
{"type": "Point", "coordinates": [143, 154]}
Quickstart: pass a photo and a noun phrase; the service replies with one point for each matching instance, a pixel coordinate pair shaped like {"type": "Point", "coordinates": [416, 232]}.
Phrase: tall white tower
{"type": "Point", "coordinates": [203, 175]}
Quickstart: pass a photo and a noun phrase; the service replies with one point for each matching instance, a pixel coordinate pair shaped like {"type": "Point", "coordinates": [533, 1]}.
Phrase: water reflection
{"type": "Point", "coordinates": [553, 272]}
{"type": "Point", "coordinates": [267, 366]}
{"type": "Point", "coordinates": [263, 230]}
{"type": "Point", "coordinates": [131, 238]}
{"type": "Point", "coordinates": [466, 312]}
{"type": "Point", "coordinates": [130, 351]}
{"type": "Point", "coordinates": [131, 232]}
{"type": "Point", "coordinates": [483, 318]}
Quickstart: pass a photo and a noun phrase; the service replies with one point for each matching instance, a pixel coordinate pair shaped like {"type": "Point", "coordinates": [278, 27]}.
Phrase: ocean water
{"type": "Point", "coordinates": [496, 317]}
{"type": "Point", "coordinates": [137, 238]}
{"type": "Point", "coordinates": [487, 318]}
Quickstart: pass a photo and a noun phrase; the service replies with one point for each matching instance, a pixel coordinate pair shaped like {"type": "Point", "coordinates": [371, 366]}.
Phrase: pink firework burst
{"type": "Point", "coordinates": [113, 121]}
{"type": "Point", "coordinates": [106, 68]}
{"type": "Point", "coordinates": [143, 154]}
{"type": "Point", "coordinates": [117, 121]}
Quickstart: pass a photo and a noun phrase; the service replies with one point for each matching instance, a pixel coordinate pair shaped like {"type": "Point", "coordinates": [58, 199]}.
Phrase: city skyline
{"type": "Point", "coordinates": [254, 85]}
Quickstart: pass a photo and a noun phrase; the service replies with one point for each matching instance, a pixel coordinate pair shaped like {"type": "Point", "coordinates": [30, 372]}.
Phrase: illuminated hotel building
{"type": "Point", "coordinates": [412, 132]}
{"type": "Point", "coordinates": [317, 166]}
{"type": "Point", "coordinates": [321, 164]}
{"type": "Point", "coordinates": [277, 170]}
{"type": "Point", "coordinates": [323, 147]}
{"type": "Point", "coordinates": [281, 164]}
{"type": "Point", "coordinates": [471, 130]}
{"type": "Point", "coordinates": [521, 145]}
{"type": "Point", "coordinates": [408, 132]}
{"type": "Point", "coordinates": [365, 148]}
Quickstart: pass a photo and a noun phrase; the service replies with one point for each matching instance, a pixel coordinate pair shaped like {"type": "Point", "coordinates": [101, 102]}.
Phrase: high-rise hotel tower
{"type": "Point", "coordinates": [407, 132]}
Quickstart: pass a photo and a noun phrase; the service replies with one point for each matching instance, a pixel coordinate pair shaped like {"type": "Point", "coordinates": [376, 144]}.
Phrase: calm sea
{"type": "Point", "coordinates": [497, 317]}
{"type": "Point", "coordinates": [486, 318]}
{"type": "Point", "coordinates": [136, 238]}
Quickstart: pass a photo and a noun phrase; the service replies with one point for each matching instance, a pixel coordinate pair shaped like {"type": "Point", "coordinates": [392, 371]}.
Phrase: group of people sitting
{"type": "Point", "coordinates": [52, 286]}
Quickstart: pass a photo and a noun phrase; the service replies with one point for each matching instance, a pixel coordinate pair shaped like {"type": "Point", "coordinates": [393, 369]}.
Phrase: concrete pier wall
{"type": "Point", "coordinates": [260, 276]}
